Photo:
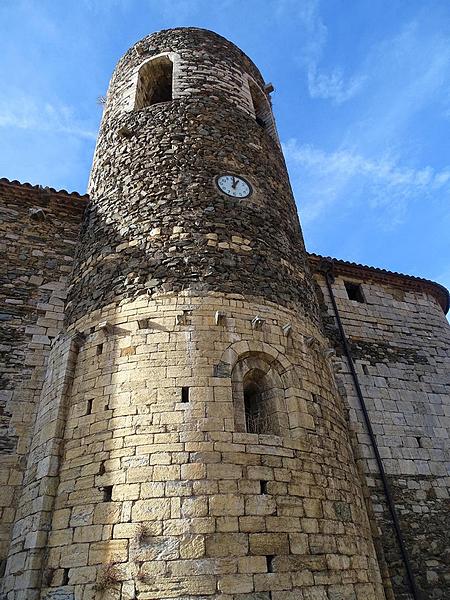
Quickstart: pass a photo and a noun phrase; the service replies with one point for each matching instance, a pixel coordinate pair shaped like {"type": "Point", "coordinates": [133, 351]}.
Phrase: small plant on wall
{"type": "Point", "coordinates": [108, 577]}
{"type": "Point", "coordinates": [143, 534]}
{"type": "Point", "coordinates": [47, 576]}
{"type": "Point", "coordinates": [144, 577]}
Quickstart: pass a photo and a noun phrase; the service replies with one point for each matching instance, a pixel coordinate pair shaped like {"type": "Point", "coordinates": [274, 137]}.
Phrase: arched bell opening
{"type": "Point", "coordinates": [155, 82]}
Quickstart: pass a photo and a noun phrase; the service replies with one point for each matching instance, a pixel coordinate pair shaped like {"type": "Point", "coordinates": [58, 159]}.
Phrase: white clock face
{"type": "Point", "coordinates": [234, 186]}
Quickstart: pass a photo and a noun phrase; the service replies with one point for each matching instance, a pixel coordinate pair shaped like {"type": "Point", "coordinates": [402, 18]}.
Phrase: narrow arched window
{"type": "Point", "coordinates": [154, 82]}
{"type": "Point", "coordinates": [258, 395]}
{"type": "Point", "coordinates": [268, 397]}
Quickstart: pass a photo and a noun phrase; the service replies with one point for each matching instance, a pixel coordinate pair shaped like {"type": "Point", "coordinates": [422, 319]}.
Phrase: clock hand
{"type": "Point", "coordinates": [235, 182]}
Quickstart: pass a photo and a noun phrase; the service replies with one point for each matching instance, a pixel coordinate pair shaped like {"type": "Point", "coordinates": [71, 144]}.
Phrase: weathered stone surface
{"type": "Point", "coordinates": [399, 341]}
{"type": "Point", "coordinates": [35, 263]}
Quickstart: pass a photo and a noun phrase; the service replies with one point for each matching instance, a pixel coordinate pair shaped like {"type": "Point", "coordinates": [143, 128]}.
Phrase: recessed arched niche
{"type": "Point", "coordinates": [259, 396]}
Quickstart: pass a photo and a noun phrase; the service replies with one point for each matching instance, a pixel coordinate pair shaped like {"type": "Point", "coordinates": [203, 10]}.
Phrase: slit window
{"type": "Point", "coordinates": [89, 407]}
{"type": "Point", "coordinates": [269, 562]}
{"type": "Point", "coordinates": [354, 291]}
{"type": "Point", "coordinates": [107, 493]}
{"type": "Point", "coordinates": [154, 82]}
{"type": "Point", "coordinates": [259, 404]}
{"type": "Point", "coordinates": [99, 349]}
{"type": "Point", "coordinates": [263, 487]}
{"type": "Point", "coordinates": [65, 577]}
{"type": "Point", "coordinates": [252, 403]}
{"type": "Point", "coordinates": [184, 394]}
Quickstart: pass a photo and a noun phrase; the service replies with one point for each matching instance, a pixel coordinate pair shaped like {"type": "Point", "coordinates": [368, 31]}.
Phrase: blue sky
{"type": "Point", "coordinates": [362, 103]}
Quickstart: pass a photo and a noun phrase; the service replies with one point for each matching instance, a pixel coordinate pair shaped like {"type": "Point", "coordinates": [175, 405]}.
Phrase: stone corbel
{"type": "Point", "coordinates": [143, 323]}
{"type": "Point", "coordinates": [287, 329]}
{"type": "Point", "coordinates": [106, 327]}
{"type": "Point", "coordinates": [257, 323]}
{"type": "Point", "coordinates": [180, 319]}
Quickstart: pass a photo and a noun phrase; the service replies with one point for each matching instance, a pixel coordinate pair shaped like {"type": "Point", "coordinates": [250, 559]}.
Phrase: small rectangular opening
{"type": "Point", "coordinates": [184, 394]}
{"type": "Point", "coordinates": [101, 469]}
{"type": "Point", "coordinates": [365, 370]}
{"type": "Point", "coordinates": [107, 493]}
{"type": "Point", "coordinates": [143, 323]}
{"type": "Point", "coordinates": [269, 562]}
{"type": "Point", "coordinates": [65, 577]}
{"type": "Point", "coordinates": [354, 291]}
{"type": "Point", "coordinates": [263, 487]}
{"type": "Point", "coordinates": [89, 407]}
{"type": "Point", "coordinates": [99, 349]}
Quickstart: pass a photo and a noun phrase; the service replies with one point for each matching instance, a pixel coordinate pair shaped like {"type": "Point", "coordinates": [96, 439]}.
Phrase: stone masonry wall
{"type": "Point", "coordinates": [36, 253]}
{"type": "Point", "coordinates": [24, 574]}
{"type": "Point", "coordinates": [400, 343]}
{"type": "Point", "coordinates": [160, 498]}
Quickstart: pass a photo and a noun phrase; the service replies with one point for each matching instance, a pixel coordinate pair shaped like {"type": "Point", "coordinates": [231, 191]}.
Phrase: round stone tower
{"type": "Point", "coordinates": [184, 107]}
{"type": "Point", "coordinates": [206, 452]}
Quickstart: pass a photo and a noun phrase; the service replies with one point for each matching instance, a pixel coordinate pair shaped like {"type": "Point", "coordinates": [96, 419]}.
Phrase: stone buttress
{"type": "Point", "coordinates": [190, 441]}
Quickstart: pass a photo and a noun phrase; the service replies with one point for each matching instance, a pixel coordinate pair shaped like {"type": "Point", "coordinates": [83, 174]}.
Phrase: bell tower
{"type": "Point", "coordinates": [203, 449]}
{"type": "Point", "coordinates": [185, 110]}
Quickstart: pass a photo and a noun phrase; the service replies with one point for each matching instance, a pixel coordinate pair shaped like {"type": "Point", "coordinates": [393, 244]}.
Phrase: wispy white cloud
{"type": "Point", "coordinates": [333, 86]}
{"type": "Point", "coordinates": [348, 163]}
{"type": "Point", "coordinates": [409, 79]}
{"type": "Point", "coordinates": [327, 176]}
{"type": "Point", "coordinates": [329, 84]}
{"type": "Point", "coordinates": [25, 112]}
{"type": "Point", "coordinates": [369, 168]}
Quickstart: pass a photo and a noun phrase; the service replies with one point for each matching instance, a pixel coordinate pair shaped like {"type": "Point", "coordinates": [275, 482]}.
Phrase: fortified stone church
{"type": "Point", "coordinates": [192, 406]}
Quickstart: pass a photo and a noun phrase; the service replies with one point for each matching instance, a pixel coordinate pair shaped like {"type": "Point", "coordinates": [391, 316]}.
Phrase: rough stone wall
{"type": "Point", "coordinates": [205, 64]}
{"type": "Point", "coordinates": [400, 343]}
{"type": "Point", "coordinates": [160, 498]}
{"type": "Point", "coordinates": [24, 573]}
{"type": "Point", "coordinates": [36, 253]}
{"type": "Point", "coordinates": [157, 222]}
